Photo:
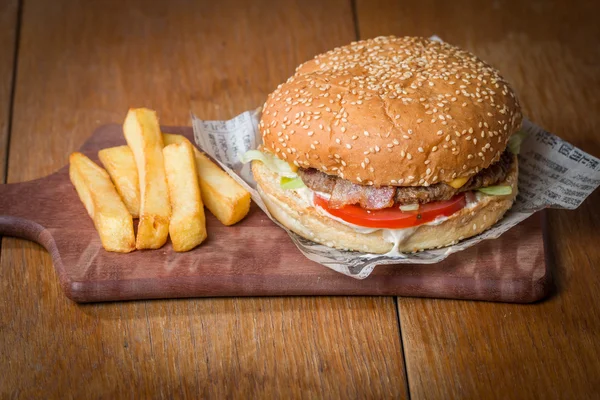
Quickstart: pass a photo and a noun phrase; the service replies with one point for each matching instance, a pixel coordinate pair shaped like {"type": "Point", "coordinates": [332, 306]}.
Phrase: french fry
{"type": "Point", "coordinates": [103, 204]}
{"type": "Point", "coordinates": [171, 138]}
{"type": "Point", "coordinates": [223, 196]}
{"type": "Point", "coordinates": [188, 224]}
{"type": "Point", "coordinates": [144, 138]}
{"type": "Point", "coordinates": [120, 165]}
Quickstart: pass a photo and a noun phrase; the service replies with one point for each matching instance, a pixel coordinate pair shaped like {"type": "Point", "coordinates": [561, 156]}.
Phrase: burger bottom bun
{"type": "Point", "coordinates": [296, 213]}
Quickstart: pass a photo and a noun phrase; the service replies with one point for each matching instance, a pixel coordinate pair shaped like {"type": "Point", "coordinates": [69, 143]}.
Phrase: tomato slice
{"type": "Point", "coordinates": [393, 217]}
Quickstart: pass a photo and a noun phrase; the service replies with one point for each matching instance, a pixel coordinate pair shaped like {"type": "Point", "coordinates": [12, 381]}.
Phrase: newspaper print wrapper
{"type": "Point", "coordinates": [552, 173]}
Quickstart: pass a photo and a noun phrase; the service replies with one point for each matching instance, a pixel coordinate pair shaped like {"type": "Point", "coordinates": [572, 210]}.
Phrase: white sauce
{"type": "Point", "coordinates": [397, 236]}
{"type": "Point", "coordinates": [473, 200]}
{"type": "Point", "coordinates": [394, 236]}
{"type": "Point", "coordinates": [438, 220]}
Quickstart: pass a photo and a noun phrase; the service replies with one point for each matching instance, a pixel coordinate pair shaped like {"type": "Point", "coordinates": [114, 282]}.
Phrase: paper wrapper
{"type": "Point", "coordinates": [552, 173]}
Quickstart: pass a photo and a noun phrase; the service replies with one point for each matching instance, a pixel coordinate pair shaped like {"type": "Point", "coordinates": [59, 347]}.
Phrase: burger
{"type": "Point", "coordinates": [389, 145]}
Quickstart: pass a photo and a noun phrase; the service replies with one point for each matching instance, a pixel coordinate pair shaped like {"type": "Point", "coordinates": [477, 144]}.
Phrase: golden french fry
{"type": "Point", "coordinates": [171, 138]}
{"type": "Point", "coordinates": [144, 138]}
{"type": "Point", "coordinates": [120, 165]}
{"type": "Point", "coordinates": [188, 224]}
{"type": "Point", "coordinates": [223, 196]}
{"type": "Point", "coordinates": [102, 202]}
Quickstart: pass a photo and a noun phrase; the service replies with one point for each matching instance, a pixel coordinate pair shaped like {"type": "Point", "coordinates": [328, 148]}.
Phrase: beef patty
{"type": "Point", "coordinates": [344, 192]}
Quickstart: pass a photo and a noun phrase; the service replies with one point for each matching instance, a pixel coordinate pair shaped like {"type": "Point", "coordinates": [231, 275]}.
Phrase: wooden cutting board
{"type": "Point", "coordinates": [252, 258]}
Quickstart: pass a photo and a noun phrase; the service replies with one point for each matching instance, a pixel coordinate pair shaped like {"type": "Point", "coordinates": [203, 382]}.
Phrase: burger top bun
{"type": "Point", "coordinates": [392, 111]}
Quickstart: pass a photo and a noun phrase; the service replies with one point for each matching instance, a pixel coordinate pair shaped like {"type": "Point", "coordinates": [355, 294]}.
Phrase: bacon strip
{"type": "Point", "coordinates": [369, 197]}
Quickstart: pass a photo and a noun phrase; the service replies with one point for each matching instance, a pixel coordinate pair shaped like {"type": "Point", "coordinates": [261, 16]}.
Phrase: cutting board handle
{"type": "Point", "coordinates": [21, 228]}
{"type": "Point", "coordinates": [25, 208]}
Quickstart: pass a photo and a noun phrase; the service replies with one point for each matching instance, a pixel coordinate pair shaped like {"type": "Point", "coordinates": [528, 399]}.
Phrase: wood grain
{"type": "Point", "coordinates": [83, 64]}
{"type": "Point", "coordinates": [8, 37]}
{"type": "Point", "coordinates": [454, 349]}
{"type": "Point", "coordinates": [511, 268]}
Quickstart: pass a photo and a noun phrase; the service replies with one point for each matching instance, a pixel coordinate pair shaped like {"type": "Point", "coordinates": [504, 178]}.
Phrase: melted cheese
{"type": "Point", "coordinates": [458, 182]}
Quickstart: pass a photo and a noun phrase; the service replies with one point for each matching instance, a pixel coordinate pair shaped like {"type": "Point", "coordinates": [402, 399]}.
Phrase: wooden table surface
{"type": "Point", "coordinates": [68, 66]}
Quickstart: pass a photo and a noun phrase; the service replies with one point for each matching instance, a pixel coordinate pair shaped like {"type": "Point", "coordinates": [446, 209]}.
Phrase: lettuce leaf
{"type": "Point", "coordinates": [496, 190]}
{"type": "Point", "coordinates": [291, 183]}
{"type": "Point", "coordinates": [273, 163]}
{"type": "Point", "coordinates": [514, 142]}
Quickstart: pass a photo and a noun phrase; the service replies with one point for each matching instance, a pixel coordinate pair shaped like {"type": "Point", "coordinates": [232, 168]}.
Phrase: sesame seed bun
{"type": "Point", "coordinates": [298, 215]}
{"type": "Point", "coordinates": [392, 111]}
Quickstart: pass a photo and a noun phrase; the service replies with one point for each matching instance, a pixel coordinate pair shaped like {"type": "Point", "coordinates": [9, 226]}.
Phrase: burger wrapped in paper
{"type": "Point", "coordinates": [389, 144]}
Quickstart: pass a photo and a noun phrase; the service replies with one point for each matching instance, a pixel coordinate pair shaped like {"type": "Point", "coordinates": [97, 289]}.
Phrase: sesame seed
{"type": "Point", "coordinates": [420, 150]}
{"type": "Point", "coordinates": [387, 62]}
{"type": "Point", "coordinates": [409, 156]}
{"type": "Point", "coordinates": [310, 133]}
